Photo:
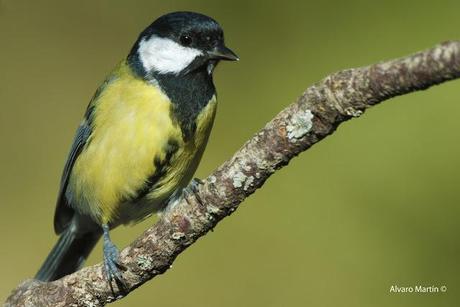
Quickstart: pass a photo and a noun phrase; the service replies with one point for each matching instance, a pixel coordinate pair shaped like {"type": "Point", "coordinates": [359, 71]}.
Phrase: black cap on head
{"type": "Point", "coordinates": [180, 23]}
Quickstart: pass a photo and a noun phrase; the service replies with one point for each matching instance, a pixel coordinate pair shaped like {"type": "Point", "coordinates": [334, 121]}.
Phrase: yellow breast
{"type": "Point", "coordinates": [132, 126]}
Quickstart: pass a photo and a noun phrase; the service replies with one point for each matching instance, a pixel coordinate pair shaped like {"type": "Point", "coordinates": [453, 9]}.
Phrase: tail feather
{"type": "Point", "coordinates": [68, 255]}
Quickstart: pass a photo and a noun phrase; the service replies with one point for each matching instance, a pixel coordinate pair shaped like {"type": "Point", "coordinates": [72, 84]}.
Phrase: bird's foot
{"type": "Point", "coordinates": [112, 265]}
{"type": "Point", "coordinates": [192, 190]}
{"type": "Point", "coordinates": [195, 183]}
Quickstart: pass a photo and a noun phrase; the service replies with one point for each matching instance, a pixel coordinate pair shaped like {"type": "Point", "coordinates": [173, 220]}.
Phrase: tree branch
{"type": "Point", "coordinates": [315, 114]}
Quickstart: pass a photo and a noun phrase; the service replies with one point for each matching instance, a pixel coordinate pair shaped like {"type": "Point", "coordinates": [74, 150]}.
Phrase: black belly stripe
{"type": "Point", "coordinates": [161, 166]}
{"type": "Point", "coordinates": [188, 93]}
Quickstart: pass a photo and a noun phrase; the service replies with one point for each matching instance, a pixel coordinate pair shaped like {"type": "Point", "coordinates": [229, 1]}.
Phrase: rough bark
{"type": "Point", "coordinates": [315, 114]}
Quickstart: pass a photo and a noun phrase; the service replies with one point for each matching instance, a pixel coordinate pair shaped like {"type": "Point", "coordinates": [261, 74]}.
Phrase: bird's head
{"type": "Point", "coordinates": [180, 43]}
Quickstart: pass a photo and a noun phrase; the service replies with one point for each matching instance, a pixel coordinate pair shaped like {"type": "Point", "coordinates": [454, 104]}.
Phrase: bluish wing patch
{"type": "Point", "coordinates": [64, 213]}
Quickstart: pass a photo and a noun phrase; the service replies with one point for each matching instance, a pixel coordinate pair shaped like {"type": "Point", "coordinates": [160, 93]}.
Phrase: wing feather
{"type": "Point", "coordinates": [64, 212]}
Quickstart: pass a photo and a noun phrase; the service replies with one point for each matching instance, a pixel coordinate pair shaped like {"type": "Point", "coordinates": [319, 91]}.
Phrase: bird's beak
{"type": "Point", "coordinates": [220, 52]}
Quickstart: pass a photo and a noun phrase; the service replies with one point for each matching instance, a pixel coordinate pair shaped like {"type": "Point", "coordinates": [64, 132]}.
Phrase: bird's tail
{"type": "Point", "coordinates": [68, 255]}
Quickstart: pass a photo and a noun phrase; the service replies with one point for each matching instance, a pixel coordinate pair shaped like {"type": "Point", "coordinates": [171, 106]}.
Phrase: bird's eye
{"type": "Point", "coordinates": [185, 40]}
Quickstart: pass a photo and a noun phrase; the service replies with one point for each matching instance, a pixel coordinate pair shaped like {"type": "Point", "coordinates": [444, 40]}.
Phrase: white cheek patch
{"type": "Point", "coordinates": [165, 55]}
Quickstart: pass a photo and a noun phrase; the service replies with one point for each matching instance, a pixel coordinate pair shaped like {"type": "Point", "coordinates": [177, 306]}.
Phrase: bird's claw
{"type": "Point", "coordinates": [192, 190]}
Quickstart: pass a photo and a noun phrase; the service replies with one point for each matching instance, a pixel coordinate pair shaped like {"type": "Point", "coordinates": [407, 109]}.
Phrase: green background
{"type": "Point", "coordinates": [372, 206]}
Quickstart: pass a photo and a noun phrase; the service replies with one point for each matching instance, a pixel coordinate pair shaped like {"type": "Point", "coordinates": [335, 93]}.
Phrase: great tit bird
{"type": "Point", "coordinates": [141, 139]}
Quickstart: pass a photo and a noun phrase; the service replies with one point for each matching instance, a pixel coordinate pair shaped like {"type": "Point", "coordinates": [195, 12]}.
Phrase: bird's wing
{"type": "Point", "coordinates": [64, 212]}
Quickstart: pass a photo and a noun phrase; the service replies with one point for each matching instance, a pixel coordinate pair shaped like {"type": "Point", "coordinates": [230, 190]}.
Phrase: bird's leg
{"type": "Point", "coordinates": [192, 190]}
{"type": "Point", "coordinates": [111, 265]}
